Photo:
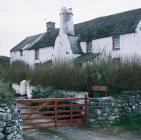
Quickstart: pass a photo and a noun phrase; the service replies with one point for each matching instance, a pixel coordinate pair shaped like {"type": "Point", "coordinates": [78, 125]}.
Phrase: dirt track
{"type": "Point", "coordinates": [76, 134]}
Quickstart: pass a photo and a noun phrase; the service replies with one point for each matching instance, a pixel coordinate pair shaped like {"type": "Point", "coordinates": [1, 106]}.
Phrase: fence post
{"type": "Point", "coordinates": [86, 108]}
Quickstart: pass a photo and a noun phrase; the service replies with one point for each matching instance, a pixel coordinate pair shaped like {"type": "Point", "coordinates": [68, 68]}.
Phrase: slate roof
{"type": "Point", "coordinates": [75, 45]}
{"type": "Point", "coordinates": [117, 24]}
{"type": "Point", "coordinates": [28, 42]}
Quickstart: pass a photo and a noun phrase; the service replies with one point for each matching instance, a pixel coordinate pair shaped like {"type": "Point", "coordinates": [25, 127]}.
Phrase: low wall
{"type": "Point", "coordinates": [10, 122]}
{"type": "Point", "coordinates": [105, 111]}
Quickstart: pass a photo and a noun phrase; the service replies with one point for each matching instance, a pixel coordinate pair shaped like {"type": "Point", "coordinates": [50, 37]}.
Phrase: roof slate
{"type": "Point", "coordinates": [117, 24]}
{"type": "Point", "coordinates": [27, 42]}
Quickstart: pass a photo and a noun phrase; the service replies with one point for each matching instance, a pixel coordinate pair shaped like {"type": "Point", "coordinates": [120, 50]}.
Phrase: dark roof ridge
{"type": "Point", "coordinates": [108, 15]}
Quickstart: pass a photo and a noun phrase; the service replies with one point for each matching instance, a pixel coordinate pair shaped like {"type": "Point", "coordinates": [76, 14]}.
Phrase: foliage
{"type": "Point", "coordinates": [118, 75]}
{"type": "Point", "coordinates": [4, 65]}
{"type": "Point", "coordinates": [19, 71]}
{"type": "Point", "coordinates": [47, 92]}
{"type": "Point", "coordinates": [60, 75]}
{"type": "Point", "coordinates": [6, 92]}
{"type": "Point", "coordinates": [133, 123]}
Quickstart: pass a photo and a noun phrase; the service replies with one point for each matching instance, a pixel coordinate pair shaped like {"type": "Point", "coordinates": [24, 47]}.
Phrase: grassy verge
{"type": "Point", "coordinates": [131, 124]}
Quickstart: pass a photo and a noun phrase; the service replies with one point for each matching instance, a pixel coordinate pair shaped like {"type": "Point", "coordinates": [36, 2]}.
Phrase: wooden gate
{"type": "Point", "coordinates": [52, 112]}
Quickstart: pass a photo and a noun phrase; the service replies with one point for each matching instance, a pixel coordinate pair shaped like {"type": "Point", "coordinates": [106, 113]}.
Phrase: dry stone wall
{"type": "Point", "coordinates": [105, 111]}
{"type": "Point", "coordinates": [10, 122]}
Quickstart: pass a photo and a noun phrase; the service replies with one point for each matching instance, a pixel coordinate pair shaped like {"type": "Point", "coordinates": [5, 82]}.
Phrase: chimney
{"type": "Point", "coordinates": [50, 26]}
{"type": "Point", "coordinates": [66, 21]}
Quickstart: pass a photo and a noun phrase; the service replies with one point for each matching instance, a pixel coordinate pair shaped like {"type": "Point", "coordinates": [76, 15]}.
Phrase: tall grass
{"type": "Point", "coordinates": [19, 71]}
{"type": "Point", "coordinates": [62, 75]}
{"type": "Point", "coordinates": [6, 92]}
{"type": "Point", "coordinates": [132, 124]}
{"type": "Point", "coordinates": [123, 75]}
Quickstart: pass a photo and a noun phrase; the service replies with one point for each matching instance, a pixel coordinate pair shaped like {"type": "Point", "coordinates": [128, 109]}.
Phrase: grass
{"type": "Point", "coordinates": [130, 124]}
{"type": "Point", "coordinates": [65, 75]}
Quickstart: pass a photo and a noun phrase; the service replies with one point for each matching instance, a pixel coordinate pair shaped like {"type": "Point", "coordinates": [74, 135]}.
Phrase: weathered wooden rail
{"type": "Point", "coordinates": [53, 112]}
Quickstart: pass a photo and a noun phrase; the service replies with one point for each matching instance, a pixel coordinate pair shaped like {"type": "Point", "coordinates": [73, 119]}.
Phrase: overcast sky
{"type": "Point", "coordinates": [22, 18]}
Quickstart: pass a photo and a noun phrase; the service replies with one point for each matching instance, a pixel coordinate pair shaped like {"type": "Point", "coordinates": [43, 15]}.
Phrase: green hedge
{"type": "Point", "coordinates": [6, 92]}
{"type": "Point", "coordinates": [47, 92]}
{"type": "Point", "coordinates": [64, 75]}
{"type": "Point", "coordinates": [19, 71]}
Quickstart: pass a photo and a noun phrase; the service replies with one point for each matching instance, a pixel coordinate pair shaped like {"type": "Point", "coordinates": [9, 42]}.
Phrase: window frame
{"type": "Point", "coordinates": [116, 42]}
{"type": "Point", "coordinates": [21, 52]}
{"type": "Point", "coordinates": [36, 54]}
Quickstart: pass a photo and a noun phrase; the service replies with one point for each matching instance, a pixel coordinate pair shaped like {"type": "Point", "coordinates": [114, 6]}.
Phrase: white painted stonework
{"type": "Point", "coordinates": [62, 48]}
{"type": "Point", "coordinates": [28, 57]}
{"type": "Point", "coordinates": [66, 21]}
{"type": "Point", "coordinates": [129, 45]}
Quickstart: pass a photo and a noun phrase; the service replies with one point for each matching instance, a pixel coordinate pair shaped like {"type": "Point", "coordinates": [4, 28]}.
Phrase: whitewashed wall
{"type": "Point", "coordinates": [28, 57]}
{"type": "Point", "coordinates": [130, 45]}
{"type": "Point", "coordinates": [62, 49]}
{"type": "Point", "coordinates": [83, 46]}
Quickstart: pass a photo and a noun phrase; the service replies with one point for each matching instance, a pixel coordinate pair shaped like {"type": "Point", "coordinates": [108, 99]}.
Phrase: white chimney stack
{"type": "Point", "coordinates": [66, 21]}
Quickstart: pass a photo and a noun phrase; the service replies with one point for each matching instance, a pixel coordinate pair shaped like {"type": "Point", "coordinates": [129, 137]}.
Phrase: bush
{"type": "Point", "coordinates": [131, 124]}
{"type": "Point", "coordinates": [47, 92]}
{"type": "Point", "coordinates": [19, 71]}
{"type": "Point", "coordinates": [60, 75]}
{"type": "Point", "coordinates": [118, 75]}
{"type": "Point", "coordinates": [6, 93]}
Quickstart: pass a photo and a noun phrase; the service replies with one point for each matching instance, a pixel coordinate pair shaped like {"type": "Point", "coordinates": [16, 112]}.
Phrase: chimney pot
{"type": "Point", "coordinates": [50, 26]}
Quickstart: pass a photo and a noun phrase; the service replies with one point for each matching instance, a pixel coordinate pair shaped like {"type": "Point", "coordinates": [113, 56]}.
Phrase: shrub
{"type": "Point", "coordinates": [118, 75]}
{"type": "Point", "coordinates": [47, 92]}
{"type": "Point", "coordinates": [19, 71]}
{"type": "Point", "coordinates": [6, 93]}
{"type": "Point", "coordinates": [61, 75]}
{"type": "Point", "coordinates": [132, 124]}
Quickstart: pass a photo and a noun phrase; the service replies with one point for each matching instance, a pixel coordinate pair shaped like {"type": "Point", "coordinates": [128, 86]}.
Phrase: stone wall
{"type": "Point", "coordinates": [105, 111]}
{"type": "Point", "coordinates": [10, 122]}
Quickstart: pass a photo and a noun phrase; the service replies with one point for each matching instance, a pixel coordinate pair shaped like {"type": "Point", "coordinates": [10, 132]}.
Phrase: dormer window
{"type": "Point", "coordinates": [21, 53]}
{"type": "Point", "coordinates": [37, 54]}
{"type": "Point", "coordinates": [116, 42]}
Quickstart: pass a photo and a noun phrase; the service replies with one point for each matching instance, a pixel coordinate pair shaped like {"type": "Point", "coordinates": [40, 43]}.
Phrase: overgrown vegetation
{"type": "Point", "coordinates": [60, 75]}
{"type": "Point", "coordinates": [117, 75]}
{"type": "Point", "coordinates": [47, 92]}
{"type": "Point", "coordinates": [19, 71]}
{"type": "Point", "coordinates": [4, 65]}
{"type": "Point", "coordinates": [131, 124]}
{"type": "Point", "coordinates": [6, 93]}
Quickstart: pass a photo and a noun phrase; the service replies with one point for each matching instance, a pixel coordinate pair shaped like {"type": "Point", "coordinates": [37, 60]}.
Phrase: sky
{"type": "Point", "coordinates": [23, 18]}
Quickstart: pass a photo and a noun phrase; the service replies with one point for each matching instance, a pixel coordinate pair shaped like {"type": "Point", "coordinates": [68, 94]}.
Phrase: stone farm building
{"type": "Point", "coordinates": [118, 34]}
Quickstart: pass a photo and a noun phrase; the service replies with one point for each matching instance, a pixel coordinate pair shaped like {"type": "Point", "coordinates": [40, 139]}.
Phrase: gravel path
{"type": "Point", "coordinates": [74, 133]}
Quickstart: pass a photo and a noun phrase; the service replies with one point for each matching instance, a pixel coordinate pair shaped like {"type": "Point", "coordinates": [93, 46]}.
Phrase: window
{"type": "Point", "coordinates": [37, 54]}
{"type": "Point", "coordinates": [21, 53]}
{"type": "Point", "coordinates": [89, 47]}
{"type": "Point", "coordinates": [116, 42]}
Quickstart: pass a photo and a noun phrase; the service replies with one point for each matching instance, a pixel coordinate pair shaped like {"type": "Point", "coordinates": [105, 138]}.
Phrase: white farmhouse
{"type": "Point", "coordinates": [118, 34]}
